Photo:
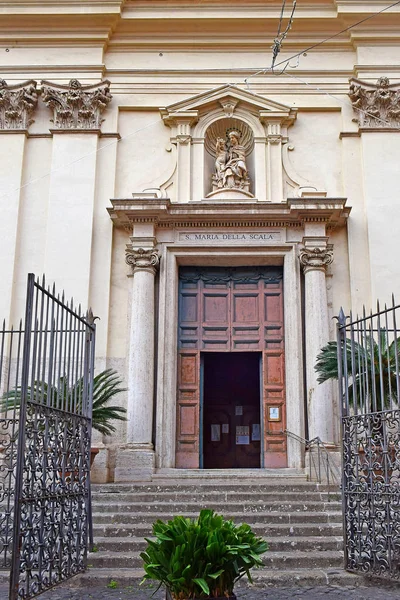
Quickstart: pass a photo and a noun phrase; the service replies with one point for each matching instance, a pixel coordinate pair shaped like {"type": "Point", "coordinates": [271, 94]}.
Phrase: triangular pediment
{"type": "Point", "coordinates": [241, 97]}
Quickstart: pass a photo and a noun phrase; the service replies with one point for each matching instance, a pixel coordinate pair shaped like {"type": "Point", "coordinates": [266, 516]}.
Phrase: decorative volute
{"type": "Point", "coordinates": [143, 259]}
{"type": "Point", "coordinates": [17, 102]}
{"type": "Point", "coordinates": [76, 106]}
{"type": "Point", "coordinates": [377, 106]}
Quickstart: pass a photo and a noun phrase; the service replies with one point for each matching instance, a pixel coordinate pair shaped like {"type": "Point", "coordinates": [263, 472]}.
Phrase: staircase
{"type": "Point", "coordinates": [300, 521]}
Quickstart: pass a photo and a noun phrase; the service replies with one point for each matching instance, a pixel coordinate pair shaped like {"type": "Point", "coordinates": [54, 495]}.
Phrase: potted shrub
{"type": "Point", "coordinates": [201, 558]}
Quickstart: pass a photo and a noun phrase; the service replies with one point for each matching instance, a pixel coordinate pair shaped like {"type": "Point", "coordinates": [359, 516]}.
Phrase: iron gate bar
{"type": "Point", "coordinates": [11, 344]}
{"type": "Point", "coordinates": [52, 508]}
{"type": "Point", "coordinates": [368, 372]}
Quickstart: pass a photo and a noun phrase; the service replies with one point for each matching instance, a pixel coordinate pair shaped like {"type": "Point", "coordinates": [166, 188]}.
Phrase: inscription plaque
{"type": "Point", "coordinates": [224, 237]}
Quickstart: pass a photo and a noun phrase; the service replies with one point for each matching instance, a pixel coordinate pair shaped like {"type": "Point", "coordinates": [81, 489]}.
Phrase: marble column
{"type": "Point", "coordinates": [137, 459]}
{"type": "Point", "coordinates": [315, 256]}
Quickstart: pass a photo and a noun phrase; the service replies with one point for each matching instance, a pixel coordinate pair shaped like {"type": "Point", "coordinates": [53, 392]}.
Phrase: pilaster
{"type": "Point", "coordinates": [181, 123]}
{"type": "Point", "coordinates": [17, 103]}
{"type": "Point", "coordinates": [77, 113]}
{"type": "Point", "coordinates": [377, 109]}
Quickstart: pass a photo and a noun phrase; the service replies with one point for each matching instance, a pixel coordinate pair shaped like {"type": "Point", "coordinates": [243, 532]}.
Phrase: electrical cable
{"type": "Point", "coordinates": [245, 81]}
{"type": "Point", "coordinates": [280, 37]}
{"type": "Point", "coordinates": [262, 71]}
{"type": "Point", "coordinates": [341, 100]}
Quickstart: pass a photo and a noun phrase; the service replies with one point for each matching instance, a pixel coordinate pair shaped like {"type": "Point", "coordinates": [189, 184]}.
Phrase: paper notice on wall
{"type": "Point", "coordinates": [242, 435]}
{"type": "Point", "coordinates": [238, 411]}
{"type": "Point", "coordinates": [216, 433]}
{"type": "Point", "coordinates": [255, 432]}
{"type": "Point", "coordinates": [225, 428]}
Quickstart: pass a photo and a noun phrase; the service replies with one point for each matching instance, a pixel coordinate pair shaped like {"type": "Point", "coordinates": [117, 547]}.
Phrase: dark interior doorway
{"type": "Point", "coordinates": [232, 429]}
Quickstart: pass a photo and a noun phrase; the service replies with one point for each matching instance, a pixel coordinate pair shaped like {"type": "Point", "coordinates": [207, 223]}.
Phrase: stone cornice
{"type": "Point", "coordinates": [76, 106]}
{"type": "Point", "coordinates": [162, 212]}
{"type": "Point", "coordinates": [17, 103]}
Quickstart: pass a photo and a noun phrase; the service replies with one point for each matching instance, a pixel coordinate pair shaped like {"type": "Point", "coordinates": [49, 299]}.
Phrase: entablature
{"type": "Point", "coordinates": [164, 213]}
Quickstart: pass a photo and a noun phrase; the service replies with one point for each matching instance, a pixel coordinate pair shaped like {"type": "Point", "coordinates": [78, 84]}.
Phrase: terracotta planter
{"type": "Point", "coordinates": [233, 597]}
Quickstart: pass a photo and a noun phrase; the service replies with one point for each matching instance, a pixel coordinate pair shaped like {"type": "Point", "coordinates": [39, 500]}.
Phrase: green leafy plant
{"type": "Point", "coordinates": [112, 585]}
{"type": "Point", "coordinates": [371, 369]}
{"type": "Point", "coordinates": [203, 557]}
{"type": "Point", "coordinates": [68, 396]}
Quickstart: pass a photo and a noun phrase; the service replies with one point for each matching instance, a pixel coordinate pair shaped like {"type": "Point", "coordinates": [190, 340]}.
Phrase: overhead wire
{"type": "Point", "coordinates": [280, 37]}
{"type": "Point", "coordinates": [331, 37]}
{"type": "Point", "coordinates": [245, 81]}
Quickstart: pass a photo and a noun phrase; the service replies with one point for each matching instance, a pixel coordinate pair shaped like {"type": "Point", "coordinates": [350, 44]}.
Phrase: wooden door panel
{"type": "Point", "coordinates": [189, 315]}
{"type": "Point", "coordinates": [274, 376]}
{"type": "Point", "coordinates": [231, 310]}
{"type": "Point", "coordinates": [188, 410]}
{"type": "Point", "coordinates": [215, 311]}
{"type": "Point", "coordinates": [246, 312]}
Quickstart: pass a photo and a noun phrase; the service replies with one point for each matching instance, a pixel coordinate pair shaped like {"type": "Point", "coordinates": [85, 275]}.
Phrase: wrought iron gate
{"type": "Point", "coordinates": [369, 385]}
{"type": "Point", "coordinates": [46, 378]}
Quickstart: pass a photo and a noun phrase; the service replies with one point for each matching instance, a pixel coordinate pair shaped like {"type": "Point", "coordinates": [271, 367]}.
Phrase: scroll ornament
{"type": "Point", "coordinates": [142, 258]}
{"type": "Point", "coordinates": [376, 105]}
{"type": "Point", "coordinates": [316, 258]}
{"type": "Point", "coordinates": [76, 106]}
{"type": "Point", "coordinates": [17, 103]}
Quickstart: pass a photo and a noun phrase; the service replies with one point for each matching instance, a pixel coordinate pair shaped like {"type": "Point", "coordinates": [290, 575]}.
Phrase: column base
{"type": "Point", "coordinates": [134, 462]}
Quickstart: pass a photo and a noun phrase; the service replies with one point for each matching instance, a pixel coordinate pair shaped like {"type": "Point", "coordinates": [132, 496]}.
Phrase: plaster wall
{"type": "Point", "coordinates": [382, 190]}
{"type": "Point", "coordinates": [57, 222]}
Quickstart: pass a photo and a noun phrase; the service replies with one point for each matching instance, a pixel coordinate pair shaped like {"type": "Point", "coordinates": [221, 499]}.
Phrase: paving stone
{"type": "Point", "coordinates": [243, 592]}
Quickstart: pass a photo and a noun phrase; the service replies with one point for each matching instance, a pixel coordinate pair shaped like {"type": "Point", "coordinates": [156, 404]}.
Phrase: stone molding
{"type": "Point", "coordinates": [316, 258]}
{"type": "Point", "coordinates": [17, 102]}
{"type": "Point", "coordinates": [76, 106]}
{"type": "Point", "coordinates": [377, 106]}
{"type": "Point", "coordinates": [142, 259]}
{"type": "Point", "coordinates": [164, 213]}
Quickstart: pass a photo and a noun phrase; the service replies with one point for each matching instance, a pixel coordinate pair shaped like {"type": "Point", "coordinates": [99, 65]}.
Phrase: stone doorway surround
{"type": "Point", "coordinates": [292, 234]}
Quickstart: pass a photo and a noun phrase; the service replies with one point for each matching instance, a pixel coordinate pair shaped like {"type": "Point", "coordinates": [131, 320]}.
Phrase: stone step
{"type": "Point", "coordinates": [211, 486]}
{"type": "Point", "coordinates": [262, 577]}
{"type": "Point", "coordinates": [117, 516]}
{"type": "Point", "coordinates": [160, 508]}
{"type": "Point", "coordinates": [214, 496]}
{"type": "Point", "coordinates": [290, 559]}
{"type": "Point", "coordinates": [262, 529]}
{"type": "Point", "coordinates": [276, 544]}
{"type": "Point", "coordinates": [223, 474]}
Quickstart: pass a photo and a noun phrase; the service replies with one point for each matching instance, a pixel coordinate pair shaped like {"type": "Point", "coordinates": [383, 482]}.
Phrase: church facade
{"type": "Point", "coordinates": [214, 212]}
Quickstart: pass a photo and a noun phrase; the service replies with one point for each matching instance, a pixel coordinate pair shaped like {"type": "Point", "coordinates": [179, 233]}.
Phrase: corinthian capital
{"type": "Point", "coordinates": [376, 105]}
{"type": "Point", "coordinates": [146, 259]}
{"type": "Point", "coordinates": [316, 258]}
{"type": "Point", "coordinates": [17, 103]}
{"type": "Point", "coordinates": [77, 106]}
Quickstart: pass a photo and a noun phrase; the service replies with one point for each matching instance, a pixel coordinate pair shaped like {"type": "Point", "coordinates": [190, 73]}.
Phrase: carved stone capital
{"type": "Point", "coordinates": [17, 103]}
{"type": "Point", "coordinates": [142, 259]}
{"type": "Point", "coordinates": [377, 106]}
{"type": "Point", "coordinates": [76, 106]}
{"type": "Point", "coordinates": [316, 258]}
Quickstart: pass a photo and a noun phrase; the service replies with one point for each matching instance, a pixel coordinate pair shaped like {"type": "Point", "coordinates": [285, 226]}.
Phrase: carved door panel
{"type": "Point", "coordinates": [230, 310]}
{"type": "Point", "coordinates": [274, 376]}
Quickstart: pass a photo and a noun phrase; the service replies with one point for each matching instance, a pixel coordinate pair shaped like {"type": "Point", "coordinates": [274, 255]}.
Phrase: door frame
{"type": "Point", "coordinates": [173, 256]}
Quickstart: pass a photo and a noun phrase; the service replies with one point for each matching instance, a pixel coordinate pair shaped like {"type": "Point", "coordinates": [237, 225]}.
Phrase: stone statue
{"type": "Point", "coordinates": [230, 164]}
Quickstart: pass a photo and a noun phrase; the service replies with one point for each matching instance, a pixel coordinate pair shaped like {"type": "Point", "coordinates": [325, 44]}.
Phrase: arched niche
{"type": "Point", "coordinates": [220, 130]}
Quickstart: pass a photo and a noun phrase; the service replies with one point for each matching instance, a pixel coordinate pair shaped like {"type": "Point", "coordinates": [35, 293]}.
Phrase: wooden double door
{"type": "Point", "coordinates": [231, 390]}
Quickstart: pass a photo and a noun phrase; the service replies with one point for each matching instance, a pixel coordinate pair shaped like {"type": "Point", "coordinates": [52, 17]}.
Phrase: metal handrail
{"type": "Point", "coordinates": [320, 461]}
